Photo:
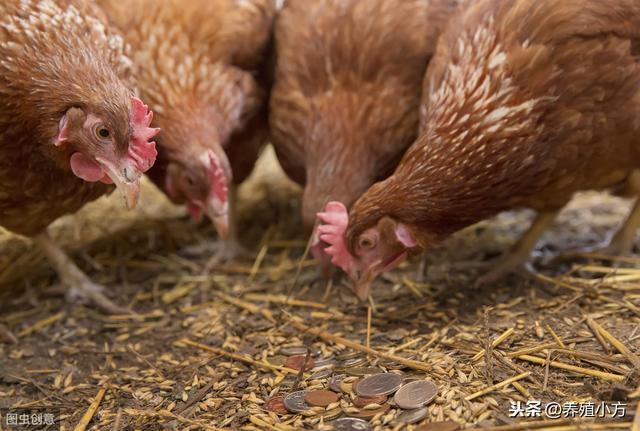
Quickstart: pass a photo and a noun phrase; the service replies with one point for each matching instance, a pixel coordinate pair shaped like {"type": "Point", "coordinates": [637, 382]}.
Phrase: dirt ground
{"type": "Point", "coordinates": [203, 350]}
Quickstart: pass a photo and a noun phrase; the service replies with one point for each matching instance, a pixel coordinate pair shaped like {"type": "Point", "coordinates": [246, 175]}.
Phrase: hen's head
{"type": "Point", "coordinates": [378, 248]}
{"type": "Point", "coordinates": [202, 182]}
{"type": "Point", "coordinates": [110, 144]}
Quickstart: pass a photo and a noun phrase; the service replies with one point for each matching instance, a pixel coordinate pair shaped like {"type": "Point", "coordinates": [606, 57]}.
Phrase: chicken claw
{"type": "Point", "coordinates": [79, 287]}
{"type": "Point", "coordinates": [623, 242]}
{"type": "Point", "coordinates": [225, 251]}
{"type": "Point", "coordinates": [518, 258]}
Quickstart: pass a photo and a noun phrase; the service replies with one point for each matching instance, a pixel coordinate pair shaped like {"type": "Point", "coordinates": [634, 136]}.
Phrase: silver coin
{"type": "Point", "coordinates": [334, 383]}
{"type": "Point", "coordinates": [379, 384]}
{"type": "Point", "coordinates": [353, 362]}
{"type": "Point", "coordinates": [415, 394]}
{"type": "Point", "coordinates": [294, 402]}
{"type": "Point", "coordinates": [321, 362]}
{"type": "Point", "coordinates": [322, 374]}
{"type": "Point", "coordinates": [351, 424]}
{"type": "Point", "coordinates": [293, 350]}
{"type": "Point", "coordinates": [348, 355]}
{"type": "Point", "coordinates": [412, 416]}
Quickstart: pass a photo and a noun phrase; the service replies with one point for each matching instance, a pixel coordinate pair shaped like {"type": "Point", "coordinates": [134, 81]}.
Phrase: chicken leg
{"type": "Point", "coordinates": [622, 242]}
{"type": "Point", "coordinates": [225, 250]}
{"type": "Point", "coordinates": [624, 239]}
{"type": "Point", "coordinates": [80, 287]}
{"type": "Point", "coordinates": [521, 252]}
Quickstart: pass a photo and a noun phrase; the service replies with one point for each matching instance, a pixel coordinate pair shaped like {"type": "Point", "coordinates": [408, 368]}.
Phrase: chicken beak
{"type": "Point", "coordinates": [363, 283]}
{"type": "Point", "coordinates": [126, 179]}
{"type": "Point", "coordinates": [364, 279]}
{"type": "Point", "coordinates": [218, 213]}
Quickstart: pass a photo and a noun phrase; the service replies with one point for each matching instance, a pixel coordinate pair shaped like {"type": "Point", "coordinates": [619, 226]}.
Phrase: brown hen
{"type": "Point", "coordinates": [526, 103]}
{"type": "Point", "coordinates": [198, 63]}
{"type": "Point", "coordinates": [347, 89]}
{"type": "Point", "coordinates": [69, 126]}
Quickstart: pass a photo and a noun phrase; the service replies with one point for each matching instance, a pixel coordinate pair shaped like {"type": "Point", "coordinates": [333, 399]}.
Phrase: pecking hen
{"type": "Point", "coordinates": [346, 94]}
{"type": "Point", "coordinates": [70, 127]}
{"type": "Point", "coordinates": [527, 102]}
{"type": "Point", "coordinates": [199, 64]}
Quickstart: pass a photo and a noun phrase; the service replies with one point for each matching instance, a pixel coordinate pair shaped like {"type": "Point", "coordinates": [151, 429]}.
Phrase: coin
{"type": "Point", "coordinates": [331, 414]}
{"type": "Point", "coordinates": [322, 374]}
{"type": "Point", "coordinates": [412, 416]}
{"type": "Point", "coordinates": [369, 413]}
{"type": "Point", "coordinates": [365, 401]}
{"type": "Point", "coordinates": [321, 398]}
{"type": "Point", "coordinates": [355, 384]}
{"type": "Point", "coordinates": [287, 383]}
{"type": "Point", "coordinates": [363, 371]}
{"type": "Point", "coordinates": [276, 405]}
{"type": "Point", "coordinates": [351, 424]}
{"type": "Point", "coordinates": [315, 351]}
{"type": "Point", "coordinates": [379, 384]}
{"type": "Point", "coordinates": [298, 361]}
{"type": "Point", "coordinates": [416, 394]}
{"type": "Point", "coordinates": [353, 362]}
{"type": "Point", "coordinates": [439, 426]}
{"type": "Point", "coordinates": [335, 381]}
{"type": "Point", "coordinates": [293, 350]}
{"type": "Point", "coordinates": [294, 402]}
{"type": "Point", "coordinates": [348, 355]}
{"type": "Point", "coordinates": [326, 362]}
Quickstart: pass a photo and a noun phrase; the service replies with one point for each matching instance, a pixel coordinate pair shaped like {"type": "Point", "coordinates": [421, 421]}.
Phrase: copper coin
{"type": "Point", "coordinates": [297, 362]}
{"type": "Point", "coordinates": [379, 384]}
{"type": "Point", "coordinates": [415, 394]}
{"type": "Point", "coordinates": [276, 405]}
{"type": "Point", "coordinates": [369, 413]}
{"type": "Point", "coordinates": [355, 384]}
{"type": "Point", "coordinates": [439, 426]}
{"type": "Point", "coordinates": [321, 398]}
{"type": "Point", "coordinates": [360, 402]}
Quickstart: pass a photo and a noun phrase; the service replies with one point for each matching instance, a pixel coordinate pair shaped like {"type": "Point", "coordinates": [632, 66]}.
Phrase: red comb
{"type": "Point", "coordinates": [220, 188]}
{"type": "Point", "coordinates": [141, 149]}
{"type": "Point", "coordinates": [336, 219]}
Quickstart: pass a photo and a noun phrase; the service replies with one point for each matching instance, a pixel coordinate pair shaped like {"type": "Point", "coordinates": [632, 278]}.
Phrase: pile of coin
{"type": "Point", "coordinates": [354, 390]}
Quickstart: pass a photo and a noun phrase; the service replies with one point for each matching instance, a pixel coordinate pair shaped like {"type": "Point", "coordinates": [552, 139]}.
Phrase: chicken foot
{"type": "Point", "coordinates": [622, 242]}
{"type": "Point", "coordinates": [225, 250]}
{"type": "Point", "coordinates": [624, 239]}
{"type": "Point", "coordinates": [80, 287]}
{"type": "Point", "coordinates": [520, 254]}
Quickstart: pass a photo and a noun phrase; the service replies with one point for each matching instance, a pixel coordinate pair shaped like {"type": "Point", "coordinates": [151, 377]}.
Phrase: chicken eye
{"type": "Point", "coordinates": [366, 243]}
{"type": "Point", "coordinates": [102, 133]}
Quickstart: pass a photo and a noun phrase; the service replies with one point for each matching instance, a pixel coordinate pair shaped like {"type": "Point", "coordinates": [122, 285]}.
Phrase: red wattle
{"type": "Point", "coordinates": [85, 168]}
{"type": "Point", "coordinates": [195, 211]}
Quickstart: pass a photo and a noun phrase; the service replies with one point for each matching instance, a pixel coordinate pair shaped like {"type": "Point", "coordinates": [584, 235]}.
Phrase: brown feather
{"type": "Point", "coordinates": [526, 102]}
{"type": "Point", "coordinates": [54, 55]}
{"type": "Point", "coordinates": [345, 101]}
